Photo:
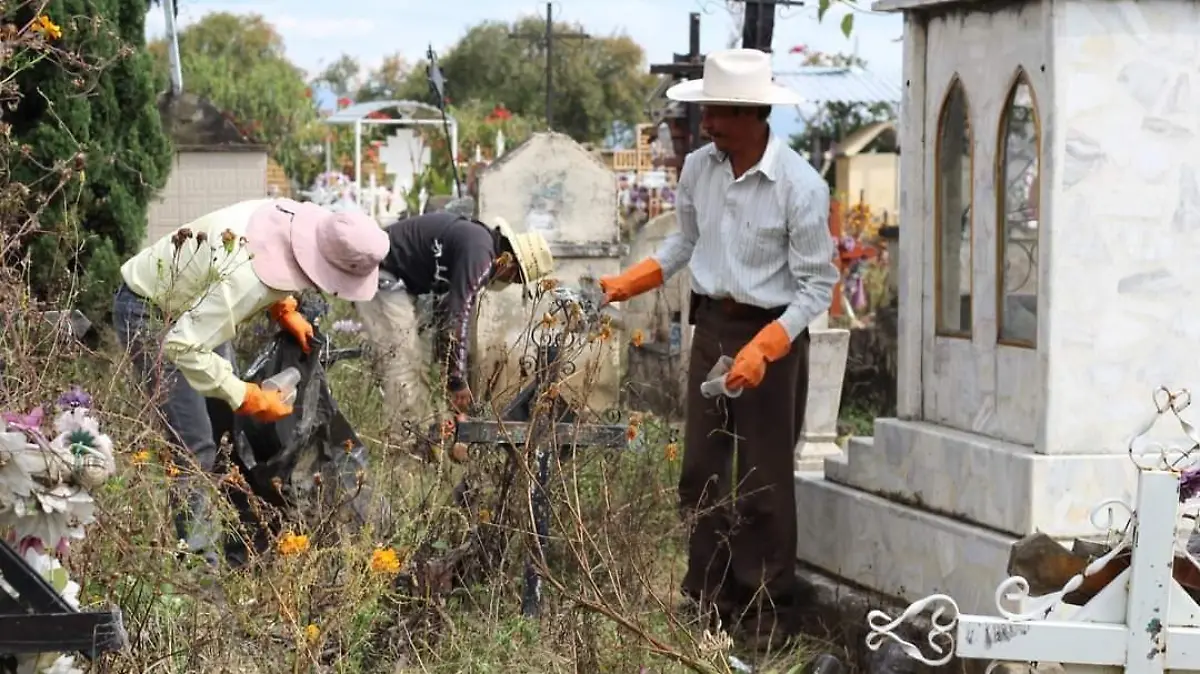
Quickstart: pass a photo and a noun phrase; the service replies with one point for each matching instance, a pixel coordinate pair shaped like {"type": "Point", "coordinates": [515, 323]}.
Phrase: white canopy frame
{"type": "Point", "coordinates": [408, 114]}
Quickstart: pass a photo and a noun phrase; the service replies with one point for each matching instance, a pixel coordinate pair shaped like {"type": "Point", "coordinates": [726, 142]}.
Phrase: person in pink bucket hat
{"type": "Point", "coordinates": [185, 295]}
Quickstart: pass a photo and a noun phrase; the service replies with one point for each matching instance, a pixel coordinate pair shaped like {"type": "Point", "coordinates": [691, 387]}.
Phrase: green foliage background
{"type": "Point", "coordinates": [100, 218]}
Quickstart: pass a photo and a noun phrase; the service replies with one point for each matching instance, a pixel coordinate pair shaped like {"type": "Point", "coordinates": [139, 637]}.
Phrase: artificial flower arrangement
{"type": "Point", "coordinates": [45, 479]}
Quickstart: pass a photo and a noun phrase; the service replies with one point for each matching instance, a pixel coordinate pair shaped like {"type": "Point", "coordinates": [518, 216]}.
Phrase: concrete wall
{"type": "Point", "coordinates": [871, 178]}
{"type": "Point", "coordinates": [553, 185]}
{"type": "Point", "coordinates": [655, 376]}
{"type": "Point", "coordinates": [1121, 199]}
{"type": "Point", "coordinates": [202, 182]}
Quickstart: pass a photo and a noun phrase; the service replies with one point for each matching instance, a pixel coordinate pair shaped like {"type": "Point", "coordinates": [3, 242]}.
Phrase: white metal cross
{"type": "Point", "coordinates": [1143, 621]}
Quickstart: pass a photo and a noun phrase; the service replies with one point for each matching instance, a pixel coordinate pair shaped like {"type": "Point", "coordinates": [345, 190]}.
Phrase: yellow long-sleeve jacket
{"type": "Point", "coordinates": [201, 278]}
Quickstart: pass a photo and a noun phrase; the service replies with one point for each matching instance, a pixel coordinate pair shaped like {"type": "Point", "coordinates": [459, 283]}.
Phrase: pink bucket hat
{"type": "Point", "coordinates": [298, 245]}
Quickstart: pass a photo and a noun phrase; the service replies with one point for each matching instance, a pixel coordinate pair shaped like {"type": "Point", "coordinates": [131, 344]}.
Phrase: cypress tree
{"type": "Point", "coordinates": [99, 117]}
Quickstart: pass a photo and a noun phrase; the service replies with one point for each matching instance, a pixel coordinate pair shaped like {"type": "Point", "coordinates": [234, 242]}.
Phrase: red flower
{"type": "Point", "coordinates": [798, 49]}
{"type": "Point", "coordinates": [308, 92]}
{"type": "Point", "coordinates": [344, 102]}
{"type": "Point", "coordinates": [498, 114]}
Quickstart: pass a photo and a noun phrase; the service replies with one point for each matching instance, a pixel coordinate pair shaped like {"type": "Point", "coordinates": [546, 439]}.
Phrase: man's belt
{"type": "Point", "coordinates": [730, 308]}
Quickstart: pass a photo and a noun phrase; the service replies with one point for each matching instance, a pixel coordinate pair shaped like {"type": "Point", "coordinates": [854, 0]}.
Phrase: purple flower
{"type": "Point", "coordinates": [1189, 483]}
{"type": "Point", "coordinates": [25, 422]}
{"type": "Point", "coordinates": [74, 398]}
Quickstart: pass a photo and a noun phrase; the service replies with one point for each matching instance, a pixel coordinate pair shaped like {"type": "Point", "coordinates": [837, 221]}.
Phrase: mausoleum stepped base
{"type": "Point", "coordinates": [996, 484]}
{"type": "Point", "coordinates": [897, 550]}
{"type": "Point", "coordinates": [922, 509]}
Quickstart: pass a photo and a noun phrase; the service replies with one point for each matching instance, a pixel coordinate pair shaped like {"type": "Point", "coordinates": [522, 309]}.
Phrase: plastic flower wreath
{"type": "Point", "coordinates": [45, 477]}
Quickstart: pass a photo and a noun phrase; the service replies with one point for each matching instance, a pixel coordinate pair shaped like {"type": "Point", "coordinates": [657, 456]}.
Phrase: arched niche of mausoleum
{"type": "Point", "coordinates": [980, 220]}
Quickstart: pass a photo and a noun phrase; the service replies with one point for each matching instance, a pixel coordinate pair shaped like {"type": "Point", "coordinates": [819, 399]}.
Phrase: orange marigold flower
{"type": "Point", "coordinates": [46, 28]}
{"type": "Point", "coordinates": [141, 457]}
{"type": "Point", "coordinates": [671, 451]}
{"type": "Point", "coordinates": [386, 561]}
{"type": "Point", "coordinates": [292, 543]}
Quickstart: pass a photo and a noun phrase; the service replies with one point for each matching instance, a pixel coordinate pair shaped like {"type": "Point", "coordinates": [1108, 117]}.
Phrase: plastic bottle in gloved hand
{"type": "Point", "coordinates": [266, 406]}
{"type": "Point", "coordinates": [750, 365]}
{"type": "Point", "coordinates": [285, 383]}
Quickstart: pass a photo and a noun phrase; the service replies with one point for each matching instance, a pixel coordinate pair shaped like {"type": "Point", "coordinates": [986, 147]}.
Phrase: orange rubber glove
{"type": "Point", "coordinates": [750, 365]}
{"type": "Point", "coordinates": [641, 277]}
{"type": "Point", "coordinates": [264, 405]}
{"type": "Point", "coordinates": [284, 313]}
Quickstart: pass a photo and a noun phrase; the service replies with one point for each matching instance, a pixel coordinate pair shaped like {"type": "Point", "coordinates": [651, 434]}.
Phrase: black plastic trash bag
{"type": "Point", "coordinates": [312, 460]}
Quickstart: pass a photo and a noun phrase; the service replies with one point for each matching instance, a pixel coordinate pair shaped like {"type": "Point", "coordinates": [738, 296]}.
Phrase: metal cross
{"type": "Point", "coordinates": [1143, 620]}
{"type": "Point", "coordinates": [522, 424]}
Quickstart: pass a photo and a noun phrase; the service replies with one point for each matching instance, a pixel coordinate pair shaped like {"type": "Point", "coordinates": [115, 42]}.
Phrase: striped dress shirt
{"type": "Point", "coordinates": [761, 239]}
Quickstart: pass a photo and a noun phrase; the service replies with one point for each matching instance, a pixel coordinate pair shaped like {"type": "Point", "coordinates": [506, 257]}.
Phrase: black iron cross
{"type": "Point", "coordinates": [547, 434]}
{"type": "Point", "coordinates": [547, 39]}
{"type": "Point", "coordinates": [41, 621]}
{"type": "Point", "coordinates": [689, 66]}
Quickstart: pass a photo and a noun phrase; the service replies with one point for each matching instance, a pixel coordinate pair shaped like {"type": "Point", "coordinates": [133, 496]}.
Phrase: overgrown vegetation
{"type": "Point", "coordinates": [432, 583]}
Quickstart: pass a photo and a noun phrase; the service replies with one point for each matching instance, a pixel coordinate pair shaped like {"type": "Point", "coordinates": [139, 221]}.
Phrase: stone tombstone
{"type": "Point", "coordinates": [826, 373]}
{"type": "Point", "coordinates": [661, 317]}
{"type": "Point", "coordinates": [1049, 144]}
{"type": "Point", "coordinates": [552, 185]}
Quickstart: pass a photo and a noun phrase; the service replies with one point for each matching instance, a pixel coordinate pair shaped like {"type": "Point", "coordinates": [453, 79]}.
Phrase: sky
{"type": "Point", "coordinates": [317, 32]}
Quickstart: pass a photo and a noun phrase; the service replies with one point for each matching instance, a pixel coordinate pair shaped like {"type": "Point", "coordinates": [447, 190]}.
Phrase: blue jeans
{"type": "Point", "coordinates": [183, 410]}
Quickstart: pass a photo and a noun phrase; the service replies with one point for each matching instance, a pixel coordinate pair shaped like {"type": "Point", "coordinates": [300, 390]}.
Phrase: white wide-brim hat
{"type": "Point", "coordinates": [739, 77]}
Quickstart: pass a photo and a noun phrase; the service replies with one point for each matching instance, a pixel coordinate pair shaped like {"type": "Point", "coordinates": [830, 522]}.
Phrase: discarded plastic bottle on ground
{"type": "Point", "coordinates": [286, 383]}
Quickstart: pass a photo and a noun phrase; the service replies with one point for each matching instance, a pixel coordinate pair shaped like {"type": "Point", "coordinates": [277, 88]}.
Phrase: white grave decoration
{"type": "Point", "coordinates": [1143, 621]}
{"type": "Point", "coordinates": [46, 475]}
{"type": "Point", "coordinates": [405, 156]}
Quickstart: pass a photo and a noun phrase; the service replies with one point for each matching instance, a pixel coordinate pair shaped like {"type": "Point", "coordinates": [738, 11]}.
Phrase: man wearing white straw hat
{"type": "Point", "coordinates": [753, 230]}
{"type": "Point", "coordinates": [454, 257]}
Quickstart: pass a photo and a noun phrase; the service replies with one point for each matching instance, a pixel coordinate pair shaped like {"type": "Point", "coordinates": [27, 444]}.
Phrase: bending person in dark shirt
{"type": "Point", "coordinates": [454, 258]}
